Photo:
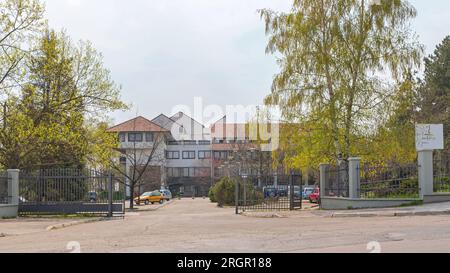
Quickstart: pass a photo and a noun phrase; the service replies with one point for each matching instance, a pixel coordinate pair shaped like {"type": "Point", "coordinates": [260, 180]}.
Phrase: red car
{"type": "Point", "coordinates": [315, 196]}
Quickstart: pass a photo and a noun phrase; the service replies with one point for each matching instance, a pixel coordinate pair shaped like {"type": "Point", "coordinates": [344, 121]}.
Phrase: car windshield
{"type": "Point", "coordinates": [146, 194]}
{"type": "Point", "coordinates": [156, 193]}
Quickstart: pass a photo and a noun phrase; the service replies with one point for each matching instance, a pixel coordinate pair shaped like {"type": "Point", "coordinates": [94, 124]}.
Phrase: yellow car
{"type": "Point", "coordinates": [150, 197]}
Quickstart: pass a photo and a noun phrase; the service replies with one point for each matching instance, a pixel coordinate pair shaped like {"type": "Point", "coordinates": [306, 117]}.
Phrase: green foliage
{"type": "Point", "coordinates": [406, 189]}
{"type": "Point", "coordinates": [20, 21]}
{"type": "Point", "coordinates": [224, 192]}
{"type": "Point", "coordinates": [50, 121]}
{"type": "Point", "coordinates": [434, 91]}
{"type": "Point", "coordinates": [211, 195]}
{"type": "Point", "coordinates": [331, 53]}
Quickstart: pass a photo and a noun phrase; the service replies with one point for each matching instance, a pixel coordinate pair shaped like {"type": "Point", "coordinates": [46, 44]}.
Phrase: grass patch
{"type": "Point", "coordinates": [413, 204]}
{"type": "Point", "coordinates": [8, 218]}
{"type": "Point", "coordinates": [60, 216]}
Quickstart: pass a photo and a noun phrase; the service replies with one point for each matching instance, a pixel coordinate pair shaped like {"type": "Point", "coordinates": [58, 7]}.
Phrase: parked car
{"type": "Point", "coordinates": [283, 191]}
{"type": "Point", "coordinates": [315, 196]}
{"type": "Point", "coordinates": [150, 197]}
{"type": "Point", "coordinates": [167, 195]}
{"type": "Point", "coordinates": [297, 191]}
{"type": "Point", "coordinates": [307, 191]}
{"type": "Point", "coordinates": [270, 192]}
{"type": "Point", "coordinates": [92, 196]}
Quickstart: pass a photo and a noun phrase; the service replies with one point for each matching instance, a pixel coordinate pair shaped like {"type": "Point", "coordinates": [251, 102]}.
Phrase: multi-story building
{"type": "Point", "coordinates": [186, 156]}
{"type": "Point", "coordinates": [142, 144]}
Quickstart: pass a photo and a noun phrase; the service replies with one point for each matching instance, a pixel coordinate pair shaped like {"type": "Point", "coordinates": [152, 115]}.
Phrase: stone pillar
{"type": "Point", "coordinates": [426, 174]}
{"type": "Point", "coordinates": [13, 186]}
{"type": "Point", "coordinates": [354, 179]}
{"type": "Point", "coordinates": [323, 178]}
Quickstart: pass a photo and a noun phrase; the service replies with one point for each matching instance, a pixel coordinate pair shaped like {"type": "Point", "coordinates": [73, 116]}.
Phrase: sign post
{"type": "Point", "coordinates": [429, 137]}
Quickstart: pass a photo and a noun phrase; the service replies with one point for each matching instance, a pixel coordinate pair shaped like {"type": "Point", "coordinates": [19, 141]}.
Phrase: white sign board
{"type": "Point", "coordinates": [429, 137]}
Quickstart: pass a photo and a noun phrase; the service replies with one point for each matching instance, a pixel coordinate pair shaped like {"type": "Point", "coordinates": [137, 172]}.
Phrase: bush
{"type": "Point", "coordinates": [223, 192]}
{"type": "Point", "coordinates": [211, 195]}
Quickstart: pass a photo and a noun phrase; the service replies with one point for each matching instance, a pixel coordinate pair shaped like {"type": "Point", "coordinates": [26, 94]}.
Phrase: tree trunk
{"type": "Point", "coordinates": [132, 195]}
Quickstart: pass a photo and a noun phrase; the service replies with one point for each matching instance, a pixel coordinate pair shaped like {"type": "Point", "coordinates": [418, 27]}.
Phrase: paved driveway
{"type": "Point", "coordinates": [199, 226]}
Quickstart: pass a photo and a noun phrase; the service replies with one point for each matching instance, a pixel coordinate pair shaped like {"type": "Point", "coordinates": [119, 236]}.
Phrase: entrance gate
{"type": "Point", "coordinates": [269, 193]}
{"type": "Point", "coordinates": [70, 191]}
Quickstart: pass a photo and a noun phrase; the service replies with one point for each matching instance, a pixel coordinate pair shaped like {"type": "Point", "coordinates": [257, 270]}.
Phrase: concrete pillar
{"type": "Point", "coordinates": [13, 186]}
{"type": "Point", "coordinates": [354, 167]}
{"type": "Point", "coordinates": [426, 174]}
{"type": "Point", "coordinates": [323, 178]}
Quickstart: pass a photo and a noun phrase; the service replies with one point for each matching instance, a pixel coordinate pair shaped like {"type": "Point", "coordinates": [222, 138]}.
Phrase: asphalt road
{"type": "Point", "coordinates": [199, 226]}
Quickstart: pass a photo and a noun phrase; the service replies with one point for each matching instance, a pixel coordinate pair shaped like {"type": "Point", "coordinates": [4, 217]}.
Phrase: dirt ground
{"type": "Point", "coordinates": [199, 226]}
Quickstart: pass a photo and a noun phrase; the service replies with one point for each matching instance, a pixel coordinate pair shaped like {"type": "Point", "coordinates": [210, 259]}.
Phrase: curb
{"type": "Point", "coordinates": [74, 223]}
{"type": "Point", "coordinates": [263, 216]}
{"type": "Point", "coordinates": [391, 214]}
{"type": "Point", "coordinates": [355, 214]}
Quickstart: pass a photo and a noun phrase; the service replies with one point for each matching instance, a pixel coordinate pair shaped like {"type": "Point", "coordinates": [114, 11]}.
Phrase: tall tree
{"type": "Point", "coordinates": [434, 92]}
{"type": "Point", "coordinates": [332, 55]}
{"type": "Point", "coordinates": [65, 85]}
{"type": "Point", "coordinates": [20, 21]}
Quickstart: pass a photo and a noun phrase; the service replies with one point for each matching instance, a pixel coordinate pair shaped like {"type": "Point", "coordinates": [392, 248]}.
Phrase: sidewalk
{"type": "Point", "coordinates": [424, 210]}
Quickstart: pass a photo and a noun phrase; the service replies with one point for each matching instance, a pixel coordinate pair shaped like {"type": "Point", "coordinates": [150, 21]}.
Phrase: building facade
{"type": "Point", "coordinates": [183, 155]}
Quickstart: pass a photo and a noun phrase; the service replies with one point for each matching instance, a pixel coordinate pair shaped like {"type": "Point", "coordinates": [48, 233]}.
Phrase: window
{"type": "Point", "coordinates": [189, 155]}
{"type": "Point", "coordinates": [218, 172]}
{"type": "Point", "coordinates": [148, 137]}
{"type": "Point", "coordinates": [220, 155]}
{"type": "Point", "coordinates": [172, 155]}
{"type": "Point", "coordinates": [188, 172]}
{"type": "Point", "coordinates": [122, 137]}
{"type": "Point", "coordinates": [204, 155]}
{"type": "Point", "coordinates": [134, 137]}
{"type": "Point", "coordinates": [173, 172]}
{"type": "Point", "coordinates": [204, 142]}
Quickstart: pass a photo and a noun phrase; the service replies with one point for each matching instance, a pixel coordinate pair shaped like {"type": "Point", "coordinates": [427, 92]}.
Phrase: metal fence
{"type": "Point", "coordinates": [70, 191]}
{"type": "Point", "coordinates": [394, 182]}
{"type": "Point", "coordinates": [269, 193]}
{"type": "Point", "coordinates": [337, 182]}
{"type": "Point", "coordinates": [4, 192]}
{"type": "Point", "coordinates": [441, 170]}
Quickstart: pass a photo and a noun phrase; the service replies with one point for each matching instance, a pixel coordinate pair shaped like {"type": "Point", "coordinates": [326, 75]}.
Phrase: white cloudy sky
{"type": "Point", "coordinates": [166, 52]}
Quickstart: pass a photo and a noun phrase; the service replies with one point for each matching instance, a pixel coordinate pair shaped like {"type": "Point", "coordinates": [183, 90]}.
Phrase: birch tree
{"type": "Point", "coordinates": [20, 22]}
{"type": "Point", "coordinates": [335, 56]}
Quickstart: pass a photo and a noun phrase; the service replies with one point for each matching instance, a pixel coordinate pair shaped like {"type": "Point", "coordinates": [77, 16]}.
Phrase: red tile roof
{"type": "Point", "coordinates": [139, 124]}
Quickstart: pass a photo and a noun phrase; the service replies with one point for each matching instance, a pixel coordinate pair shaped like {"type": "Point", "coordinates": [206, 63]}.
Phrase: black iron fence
{"type": "Point", "coordinates": [70, 191]}
{"type": "Point", "coordinates": [393, 182]}
{"type": "Point", "coordinates": [336, 182]}
{"type": "Point", "coordinates": [4, 192]}
{"type": "Point", "coordinates": [441, 170]}
{"type": "Point", "coordinates": [269, 193]}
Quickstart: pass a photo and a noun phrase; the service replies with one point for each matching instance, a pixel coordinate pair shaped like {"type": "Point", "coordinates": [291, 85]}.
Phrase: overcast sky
{"type": "Point", "coordinates": [166, 52]}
